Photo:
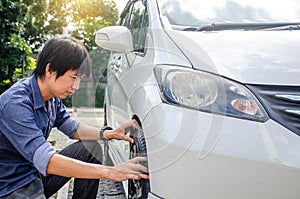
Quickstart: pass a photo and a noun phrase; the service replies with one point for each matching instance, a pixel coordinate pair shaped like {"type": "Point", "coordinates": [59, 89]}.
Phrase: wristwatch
{"type": "Point", "coordinates": [102, 131]}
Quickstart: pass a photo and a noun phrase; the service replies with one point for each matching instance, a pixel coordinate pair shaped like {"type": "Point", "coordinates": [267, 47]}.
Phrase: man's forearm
{"type": "Point", "coordinates": [68, 167]}
{"type": "Point", "coordinates": [85, 132]}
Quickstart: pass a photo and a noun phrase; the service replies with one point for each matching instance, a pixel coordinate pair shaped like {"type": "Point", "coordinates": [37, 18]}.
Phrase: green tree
{"type": "Point", "coordinates": [26, 24]}
{"type": "Point", "coordinates": [23, 29]}
{"type": "Point", "coordinates": [86, 17]}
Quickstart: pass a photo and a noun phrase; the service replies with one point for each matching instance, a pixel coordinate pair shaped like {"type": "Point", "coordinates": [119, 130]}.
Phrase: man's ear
{"type": "Point", "coordinates": [49, 72]}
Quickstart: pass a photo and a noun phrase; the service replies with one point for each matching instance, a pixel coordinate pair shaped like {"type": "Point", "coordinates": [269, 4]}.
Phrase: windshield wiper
{"type": "Point", "coordinates": [245, 26]}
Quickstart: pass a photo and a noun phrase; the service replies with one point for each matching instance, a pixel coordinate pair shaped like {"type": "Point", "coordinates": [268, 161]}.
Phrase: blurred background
{"type": "Point", "coordinates": [27, 24]}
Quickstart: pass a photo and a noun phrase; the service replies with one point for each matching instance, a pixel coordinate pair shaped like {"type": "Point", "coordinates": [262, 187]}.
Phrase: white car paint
{"type": "Point", "coordinates": [196, 154]}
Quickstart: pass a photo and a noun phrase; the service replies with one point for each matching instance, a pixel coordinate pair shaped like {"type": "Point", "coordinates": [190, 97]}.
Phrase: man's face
{"type": "Point", "coordinates": [65, 85]}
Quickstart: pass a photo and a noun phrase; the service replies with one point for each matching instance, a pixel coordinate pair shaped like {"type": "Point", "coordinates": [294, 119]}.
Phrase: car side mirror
{"type": "Point", "coordinates": [115, 38]}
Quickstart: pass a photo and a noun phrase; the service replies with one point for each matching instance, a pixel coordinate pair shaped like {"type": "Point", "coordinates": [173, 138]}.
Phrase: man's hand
{"type": "Point", "coordinates": [120, 133]}
{"type": "Point", "coordinates": [129, 170]}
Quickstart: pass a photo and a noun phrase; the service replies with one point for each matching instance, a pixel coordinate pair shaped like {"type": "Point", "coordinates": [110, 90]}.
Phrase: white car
{"type": "Point", "coordinates": [215, 86]}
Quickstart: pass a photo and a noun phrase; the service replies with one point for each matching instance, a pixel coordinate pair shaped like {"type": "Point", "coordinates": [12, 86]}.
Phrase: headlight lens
{"type": "Point", "coordinates": [207, 92]}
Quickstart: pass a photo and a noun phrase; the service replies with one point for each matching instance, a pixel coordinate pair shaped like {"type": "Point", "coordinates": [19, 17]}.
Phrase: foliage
{"type": "Point", "coordinates": [99, 57]}
{"type": "Point", "coordinates": [23, 29]}
{"type": "Point", "coordinates": [29, 64]}
{"type": "Point", "coordinates": [26, 24]}
{"type": "Point", "coordinates": [86, 17]}
{"type": "Point", "coordinates": [90, 15]}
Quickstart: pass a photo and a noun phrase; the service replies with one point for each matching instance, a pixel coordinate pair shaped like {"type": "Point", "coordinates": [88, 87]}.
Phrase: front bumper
{"type": "Point", "coordinates": [200, 155]}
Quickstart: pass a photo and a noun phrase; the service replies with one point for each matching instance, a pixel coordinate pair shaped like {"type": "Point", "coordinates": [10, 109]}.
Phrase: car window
{"type": "Point", "coordinates": [136, 19]}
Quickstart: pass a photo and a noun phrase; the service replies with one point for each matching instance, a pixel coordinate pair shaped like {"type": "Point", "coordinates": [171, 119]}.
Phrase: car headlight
{"type": "Point", "coordinates": [207, 92]}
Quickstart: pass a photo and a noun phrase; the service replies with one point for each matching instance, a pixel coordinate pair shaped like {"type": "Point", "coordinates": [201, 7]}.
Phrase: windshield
{"type": "Point", "coordinates": [198, 13]}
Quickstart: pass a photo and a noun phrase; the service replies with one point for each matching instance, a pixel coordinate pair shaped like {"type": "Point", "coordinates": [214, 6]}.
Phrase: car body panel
{"type": "Point", "coordinates": [264, 158]}
{"type": "Point", "coordinates": [239, 55]}
{"type": "Point", "coordinates": [198, 154]}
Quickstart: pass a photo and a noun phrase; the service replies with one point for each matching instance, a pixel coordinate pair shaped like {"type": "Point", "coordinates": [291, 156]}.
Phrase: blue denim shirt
{"type": "Point", "coordinates": [25, 124]}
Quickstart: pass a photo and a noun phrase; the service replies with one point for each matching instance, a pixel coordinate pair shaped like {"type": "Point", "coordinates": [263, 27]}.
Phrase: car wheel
{"type": "Point", "coordinates": [138, 189]}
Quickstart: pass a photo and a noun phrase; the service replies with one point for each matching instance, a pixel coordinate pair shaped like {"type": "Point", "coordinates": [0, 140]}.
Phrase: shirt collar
{"type": "Point", "coordinates": [37, 96]}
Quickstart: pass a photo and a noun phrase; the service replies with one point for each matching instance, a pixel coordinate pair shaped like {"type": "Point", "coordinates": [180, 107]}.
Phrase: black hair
{"type": "Point", "coordinates": [63, 54]}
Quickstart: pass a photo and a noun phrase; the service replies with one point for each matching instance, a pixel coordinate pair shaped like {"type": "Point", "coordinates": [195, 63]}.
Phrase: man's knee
{"type": "Point", "coordinates": [94, 149]}
{"type": "Point", "coordinates": [87, 151]}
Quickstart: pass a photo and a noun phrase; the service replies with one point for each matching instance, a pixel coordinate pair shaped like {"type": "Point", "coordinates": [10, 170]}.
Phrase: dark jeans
{"type": "Point", "coordinates": [87, 151]}
{"type": "Point", "coordinates": [33, 190]}
{"type": "Point", "coordinates": [44, 187]}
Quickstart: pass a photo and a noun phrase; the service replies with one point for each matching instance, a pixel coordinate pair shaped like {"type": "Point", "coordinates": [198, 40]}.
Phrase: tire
{"type": "Point", "coordinates": [138, 189]}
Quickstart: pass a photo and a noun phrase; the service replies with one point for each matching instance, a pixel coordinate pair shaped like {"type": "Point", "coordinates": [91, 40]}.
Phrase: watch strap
{"type": "Point", "coordinates": [102, 131]}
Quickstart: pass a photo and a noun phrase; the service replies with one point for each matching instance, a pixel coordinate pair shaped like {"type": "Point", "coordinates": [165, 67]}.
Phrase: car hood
{"type": "Point", "coordinates": [256, 57]}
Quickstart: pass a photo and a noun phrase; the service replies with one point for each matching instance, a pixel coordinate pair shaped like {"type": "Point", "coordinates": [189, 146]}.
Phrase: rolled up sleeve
{"type": "Point", "coordinates": [69, 127]}
{"type": "Point", "coordinates": [64, 122]}
{"type": "Point", "coordinates": [42, 156]}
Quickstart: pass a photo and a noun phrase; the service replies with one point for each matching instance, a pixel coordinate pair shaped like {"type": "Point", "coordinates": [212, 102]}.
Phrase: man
{"type": "Point", "coordinates": [29, 166]}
